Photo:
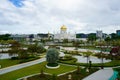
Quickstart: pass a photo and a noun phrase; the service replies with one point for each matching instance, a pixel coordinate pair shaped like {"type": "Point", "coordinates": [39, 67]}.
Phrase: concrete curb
{"type": "Point", "coordinates": [44, 73]}
{"type": "Point", "coordinates": [31, 76]}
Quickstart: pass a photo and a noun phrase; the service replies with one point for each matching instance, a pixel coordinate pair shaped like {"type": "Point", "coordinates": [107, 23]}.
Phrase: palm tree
{"type": "Point", "coordinates": [87, 54]}
{"type": "Point", "coordinates": [102, 48]}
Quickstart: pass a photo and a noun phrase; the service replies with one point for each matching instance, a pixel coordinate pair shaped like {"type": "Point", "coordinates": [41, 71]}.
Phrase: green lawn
{"type": "Point", "coordinates": [35, 69]}
{"type": "Point", "coordinates": [107, 64]}
{"type": "Point", "coordinates": [79, 74]}
{"type": "Point", "coordinates": [8, 62]}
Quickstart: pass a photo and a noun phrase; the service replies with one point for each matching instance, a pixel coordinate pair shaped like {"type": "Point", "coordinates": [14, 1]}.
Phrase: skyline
{"type": "Point", "coordinates": [42, 16]}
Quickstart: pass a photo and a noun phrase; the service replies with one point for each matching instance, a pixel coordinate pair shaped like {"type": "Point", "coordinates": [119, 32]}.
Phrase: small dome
{"type": "Point", "coordinates": [63, 27]}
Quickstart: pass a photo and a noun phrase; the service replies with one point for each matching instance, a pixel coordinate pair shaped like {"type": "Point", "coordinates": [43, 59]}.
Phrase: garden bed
{"type": "Point", "coordinates": [75, 75]}
{"type": "Point", "coordinates": [107, 64]}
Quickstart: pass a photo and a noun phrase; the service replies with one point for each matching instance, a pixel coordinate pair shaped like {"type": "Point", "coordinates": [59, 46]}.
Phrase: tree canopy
{"type": "Point", "coordinates": [5, 37]}
{"type": "Point", "coordinates": [52, 55]}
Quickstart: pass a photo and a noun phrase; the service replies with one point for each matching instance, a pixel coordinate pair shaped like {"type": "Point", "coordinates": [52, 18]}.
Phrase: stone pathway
{"type": "Point", "coordinates": [103, 74]}
{"type": "Point", "coordinates": [19, 66]}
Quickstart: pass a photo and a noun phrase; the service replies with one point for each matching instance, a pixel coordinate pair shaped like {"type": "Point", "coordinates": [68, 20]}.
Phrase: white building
{"type": "Point", "coordinates": [99, 34]}
{"type": "Point", "coordinates": [64, 35]}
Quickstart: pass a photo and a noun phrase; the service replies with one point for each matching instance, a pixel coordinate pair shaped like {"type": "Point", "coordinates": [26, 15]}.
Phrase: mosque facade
{"type": "Point", "coordinates": [63, 34]}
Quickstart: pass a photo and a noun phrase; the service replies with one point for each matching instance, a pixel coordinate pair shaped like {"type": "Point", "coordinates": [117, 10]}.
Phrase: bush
{"type": "Point", "coordinates": [14, 58]}
{"type": "Point", "coordinates": [68, 57]}
{"type": "Point", "coordinates": [52, 64]}
{"type": "Point", "coordinates": [29, 59]}
{"type": "Point", "coordinates": [52, 55]}
{"type": "Point", "coordinates": [72, 52]}
{"type": "Point", "coordinates": [69, 61]}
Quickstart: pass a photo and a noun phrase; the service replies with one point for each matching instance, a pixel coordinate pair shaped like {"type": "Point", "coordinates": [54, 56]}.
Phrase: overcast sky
{"type": "Point", "coordinates": [42, 16]}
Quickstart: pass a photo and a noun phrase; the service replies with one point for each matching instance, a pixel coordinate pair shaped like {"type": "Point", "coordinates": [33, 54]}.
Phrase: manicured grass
{"type": "Point", "coordinates": [108, 64]}
{"type": "Point", "coordinates": [8, 62]}
{"type": "Point", "coordinates": [35, 69]}
{"type": "Point", "coordinates": [76, 75]}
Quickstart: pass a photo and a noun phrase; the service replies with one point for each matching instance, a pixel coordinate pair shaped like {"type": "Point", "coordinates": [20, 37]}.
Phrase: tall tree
{"type": "Point", "coordinates": [76, 44]}
{"type": "Point", "coordinates": [36, 48]}
{"type": "Point", "coordinates": [23, 54]}
{"type": "Point", "coordinates": [15, 46]}
{"type": "Point", "coordinates": [52, 55]}
{"type": "Point", "coordinates": [87, 55]}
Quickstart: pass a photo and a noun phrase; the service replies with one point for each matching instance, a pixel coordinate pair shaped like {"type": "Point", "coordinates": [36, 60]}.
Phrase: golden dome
{"type": "Point", "coordinates": [63, 27]}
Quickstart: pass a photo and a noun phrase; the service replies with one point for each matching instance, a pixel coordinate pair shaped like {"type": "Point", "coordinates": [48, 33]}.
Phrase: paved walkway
{"type": "Point", "coordinates": [83, 50]}
{"type": "Point", "coordinates": [19, 66]}
{"type": "Point", "coordinates": [103, 74]}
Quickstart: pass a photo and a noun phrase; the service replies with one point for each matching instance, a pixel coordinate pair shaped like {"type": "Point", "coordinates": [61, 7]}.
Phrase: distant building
{"type": "Point", "coordinates": [19, 37]}
{"type": "Point", "coordinates": [64, 35]}
{"type": "Point", "coordinates": [118, 32]}
{"type": "Point", "coordinates": [106, 35]}
{"type": "Point", "coordinates": [99, 34]}
{"type": "Point", "coordinates": [44, 36]}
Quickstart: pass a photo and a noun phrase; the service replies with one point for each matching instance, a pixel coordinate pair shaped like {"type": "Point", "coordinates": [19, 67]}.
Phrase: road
{"type": "Point", "coordinates": [19, 66]}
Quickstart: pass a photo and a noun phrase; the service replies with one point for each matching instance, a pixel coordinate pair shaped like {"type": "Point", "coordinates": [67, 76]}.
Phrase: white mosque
{"type": "Point", "coordinates": [64, 35]}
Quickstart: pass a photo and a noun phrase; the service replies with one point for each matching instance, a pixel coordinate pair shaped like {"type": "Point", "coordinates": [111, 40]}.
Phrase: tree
{"type": "Point", "coordinates": [15, 46]}
{"type": "Point", "coordinates": [36, 48]}
{"type": "Point", "coordinates": [87, 54]}
{"type": "Point", "coordinates": [23, 54]}
{"type": "Point", "coordinates": [40, 48]}
{"type": "Point", "coordinates": [5, 37]}
{"type": "Point", "coordinates": [78, 70]}
{"type": "Point", "coordinates": [52, 56]}
{"type": "Point", "coordinates": [54, 77]}
{"type": "Point", "coordinates": [76, 44]}
{"type": "Point", "coordinates": [114, 36]}
{"type": "Point", "coordinates": [102, 48]}
{"type": "Point", "coordinates": [92, 37]}
{"type": "Point", "coordinates": [115, 52]}
{"type": "Point", "coordinates": [108, 39]}
{"type": "Point", "coordinates": [65, 40]}
{"type": "Point", "coordinates": [32, 49]}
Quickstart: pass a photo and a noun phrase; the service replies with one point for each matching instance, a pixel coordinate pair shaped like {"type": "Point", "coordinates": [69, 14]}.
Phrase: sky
{"type": "Point", "coordinates": [43, 16]}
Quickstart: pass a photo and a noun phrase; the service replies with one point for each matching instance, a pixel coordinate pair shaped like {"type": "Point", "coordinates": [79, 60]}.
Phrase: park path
{"type": "Point", "coordinates": [103, 74]}
{"type": "Point", "coordinates": [19, 66]}
{"type": "Point", "coordinates": [84, 50]}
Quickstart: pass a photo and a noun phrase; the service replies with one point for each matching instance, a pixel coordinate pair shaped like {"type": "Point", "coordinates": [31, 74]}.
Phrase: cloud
{"type": "Point", "coordinates": [33, 16]}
